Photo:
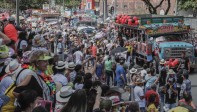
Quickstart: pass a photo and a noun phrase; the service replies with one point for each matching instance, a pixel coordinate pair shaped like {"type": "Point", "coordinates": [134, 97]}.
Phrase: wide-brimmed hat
{"type": "Point", "coordinates": [64, 94]}
{"type": "Point", "coordinates": [133, 70]}
{"type": "Point", "coordinates": [44, 57]}
{"type": "Point", "coordinates": [162, 62]}
{"type": "Point", "coordinates": [38, 41]}
{"type": "Point", "coordinates": [61, 65]}
{"type": "Point", "coordinates": [4, 52]}
{"type": "Point", "coordinates": [13, 67]}
{"type": "Point", "coordinates": [170, 71]}
{"type": "Point", "coordinates": [71, 65]}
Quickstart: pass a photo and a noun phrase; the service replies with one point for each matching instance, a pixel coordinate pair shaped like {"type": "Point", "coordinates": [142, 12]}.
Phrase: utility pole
{"type": "Point", "coordinates": [64, 5]}
{"type": "Point", "coordinates": [104, 10]}
{"type": "Point", "coordinates": [115, 8]}
{"type": "Point", "coordinates": [17, 13]}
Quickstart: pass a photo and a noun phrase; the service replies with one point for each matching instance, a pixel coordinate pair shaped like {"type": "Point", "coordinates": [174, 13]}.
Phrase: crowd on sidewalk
{"type": "Point", "coordinates": [46, 69]}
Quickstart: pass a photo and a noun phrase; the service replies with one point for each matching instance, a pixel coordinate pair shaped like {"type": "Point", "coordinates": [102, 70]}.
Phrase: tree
{"type": "Point", "coordinates": [72, 3]}
{"type": "Point", "coordinates": [153, 9]}
{"type": "Point", "coordinates": [187, 4]}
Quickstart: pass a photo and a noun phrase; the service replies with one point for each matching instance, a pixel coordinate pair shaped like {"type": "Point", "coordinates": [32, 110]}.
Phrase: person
{"type": "Point", "coordinates": [108, 70]}
{"type": "Point", "coordinates": [170, 94]}
{"type": "Point", "coordinates": [121, 74]}
{"type": "Point", "coordinates": [185, 63]}
{"type": "Point", "coordinates": [26, 101]}
{"type": "Point", "coordinates": [151, 105]}
{"type": "Point", "coordinates": [152, 92]}
{"type": "Point", "coordinates": [62, 97]}
{"type": "Point", "coordinates": [71, 73]}
{"type": "Point", "coordinates": [143, 72]}
{"type": "Point", "coordinates": [21, 44]}
{"type": "Point", "coordinates": [139, 94]}
{"type": "Point", "coordinates": [39, 80]}
{"type": "Point", "coordinates": [150, 79]}
{"type": "Point", "coordinates": [133, 107]}
{"type": "Point", "coordinates": [186, 85]}
{"type": "Point", "coordinates": [99, 68]}
{"type": "Point", "coordinates": [77, 102]}
{"type": "Point", "coordinates": [78, 82]}
{"type": "Point", "coordinates": [59, 75]}
{"type": "Point", "coordinates": [187, 102]}
{"type": "Point", "coordinates": [10, 30]}
{"type": "Point", "coordinates": [78, 56]}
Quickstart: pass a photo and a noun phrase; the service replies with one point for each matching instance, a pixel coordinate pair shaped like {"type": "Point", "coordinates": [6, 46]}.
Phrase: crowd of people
{"type": "Point", "coordinates": [46, 69]}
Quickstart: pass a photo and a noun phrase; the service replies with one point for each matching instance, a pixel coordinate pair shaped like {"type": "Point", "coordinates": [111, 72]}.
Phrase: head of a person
{"type": "Point", "coordinates": [87, 85]}
{"type": "Point", "coordinates": [88, 76]}
{"type": "Point", "coordinates": [139, 82]}
{"type": "Point", "coordinates": [26, 100]}
{"type": "Point", "coordinates": [134, 107]}
{"type": "Point", "coordinates": [77, 102]}
{"type": "Point", "coordinates": [122, 60]}
{"type": "Point", "coordinates": [11, 20]}
{"type": "Point", "coordinates": [152, 71]}
{"type": "Point", "coordinates": [145, 66]}
{"type": "Point", "coordinates": [78, 68]}
{"type": "Point", "coordinates": [152, 98]}
{"type": "Point", "coordinates": [39, 59]}
{"type": "Point", "coordinates": [96, 83]}
{"type": "Point", "coordinates": [154, 87]}
{"type": "Point", "coordinates": [22, 35]}
{"type": "Point", "coordinates": [187, 97]}
{"type": "Point", "coordinates": [185, 75]}
{"type": "Point", "coordinates": [106, 105]}
{"type": "Point", "coordinates": [105, 88]}
{"type": "Point", "coordinates": [78, 79]}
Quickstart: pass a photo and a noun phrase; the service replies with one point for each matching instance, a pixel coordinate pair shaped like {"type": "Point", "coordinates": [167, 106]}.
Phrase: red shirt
{"type": "Point", "coordinates": [11, 32]}
{"type": "Point", "coordinates": [147, 96]}
{"type": "Point", "coordinates": [94, 51]}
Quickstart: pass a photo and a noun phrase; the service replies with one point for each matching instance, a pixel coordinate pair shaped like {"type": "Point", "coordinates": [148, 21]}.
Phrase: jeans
{"type": "Point", "coordinates": [109, 74]}
{"type": "Point", "coordinates": [170, 106]}
{"type": "Point", "coordinates": [142, 109]}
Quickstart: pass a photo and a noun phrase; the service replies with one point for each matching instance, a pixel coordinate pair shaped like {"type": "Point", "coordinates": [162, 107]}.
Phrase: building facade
{"type": "Point", "coordinates": [132, 7]}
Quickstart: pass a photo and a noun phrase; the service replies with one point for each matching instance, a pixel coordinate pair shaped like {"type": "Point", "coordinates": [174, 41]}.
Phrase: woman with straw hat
{"type": "Point", "coordinates": [40, 80]}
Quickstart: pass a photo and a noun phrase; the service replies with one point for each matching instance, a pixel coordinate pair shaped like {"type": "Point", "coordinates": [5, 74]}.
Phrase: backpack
{"type": "Point", "coordinates": [9, 107]}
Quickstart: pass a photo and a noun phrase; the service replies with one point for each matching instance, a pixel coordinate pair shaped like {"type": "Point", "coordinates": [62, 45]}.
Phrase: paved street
{"type": "Point", "coordinates": [193, 78]}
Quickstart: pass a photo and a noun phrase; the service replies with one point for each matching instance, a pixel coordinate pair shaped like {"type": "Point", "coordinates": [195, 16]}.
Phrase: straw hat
{"type": "Point", "coordinates": [61, 65]}
{"type": "Point", "coordinates": [38, 41]}
{"type": "Point", "coordinates": [133, 70]}
{"type": "Point", "coordinates": [64, 94]}
{"type": "Point", "coordinates": [71, 65]}
{"type": "Point", "coordinates": [13, 67]}
{"type": "Point", "coordinates": [162, 62]}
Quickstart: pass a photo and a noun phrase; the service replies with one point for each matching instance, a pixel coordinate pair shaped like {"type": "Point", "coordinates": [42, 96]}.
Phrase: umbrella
{"type": "Point", "coordinates": [118, 50]}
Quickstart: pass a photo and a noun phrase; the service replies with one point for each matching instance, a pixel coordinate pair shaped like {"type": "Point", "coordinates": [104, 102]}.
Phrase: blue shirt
{"type": "Point", "coordinates": [5, 83]}
{"type": "Point", "coordinates": [120, 70]}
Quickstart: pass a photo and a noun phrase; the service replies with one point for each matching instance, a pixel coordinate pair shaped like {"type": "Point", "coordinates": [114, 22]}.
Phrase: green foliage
{"type": "Point", "coordinates": [187, 4]}
{"type": "Point", "coordinates": [72, 3]}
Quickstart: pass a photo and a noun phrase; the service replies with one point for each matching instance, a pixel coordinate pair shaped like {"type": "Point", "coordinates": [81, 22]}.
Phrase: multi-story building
{"type": "Point", "coordinates": [138, 7]}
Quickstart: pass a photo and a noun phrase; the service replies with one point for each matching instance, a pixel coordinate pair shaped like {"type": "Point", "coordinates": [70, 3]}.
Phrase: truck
{"type": "Point", "coordinates": [158, 37]}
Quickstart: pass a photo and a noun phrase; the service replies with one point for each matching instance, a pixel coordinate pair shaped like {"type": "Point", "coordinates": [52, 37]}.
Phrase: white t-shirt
{"type": "Point", "coordinates": [78, 86]}
{"type": "Point", "coordinates": [105, 42]}
{"type": "Point", "coordinates": [143, 73]}
{"type": "Point", "coordinates": [138, 91]}
{"type": "Point", "coordinates": [109, 46]}
{"type": "Point", "coordinates": [23, 75]}
{"type": "Point", "coordinates": [78, 57]}
{"type": "Point", "coordinates": [60, 78]}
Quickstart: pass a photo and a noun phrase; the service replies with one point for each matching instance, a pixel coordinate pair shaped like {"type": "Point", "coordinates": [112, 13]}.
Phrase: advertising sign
{"type": "Point", "coordinates": [45, 6]}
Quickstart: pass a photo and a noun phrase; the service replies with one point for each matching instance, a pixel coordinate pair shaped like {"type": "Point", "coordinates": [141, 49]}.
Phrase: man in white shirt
{"type": "Point", "coordinates": [139, 95]}
{"type": "Point", "coordinates": [109, 45]}
{"type": "Point", "coordinates": [143, 72]}
{"type": "Point", "coordinates": [78, 56]}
